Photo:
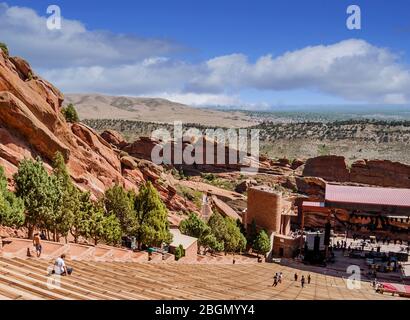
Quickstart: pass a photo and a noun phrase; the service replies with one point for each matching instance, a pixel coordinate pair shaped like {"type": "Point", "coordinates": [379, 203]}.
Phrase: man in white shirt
{"type": "Point", "coordinates": [60, 268]}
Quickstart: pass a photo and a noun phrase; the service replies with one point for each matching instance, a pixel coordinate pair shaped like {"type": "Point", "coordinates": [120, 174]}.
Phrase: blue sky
{"type": "Point", "coordinates": [221, 52]}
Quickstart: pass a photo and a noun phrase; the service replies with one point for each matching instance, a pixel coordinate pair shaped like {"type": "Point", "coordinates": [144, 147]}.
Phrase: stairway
{"type": "Point", "coordinates": [28, 279]}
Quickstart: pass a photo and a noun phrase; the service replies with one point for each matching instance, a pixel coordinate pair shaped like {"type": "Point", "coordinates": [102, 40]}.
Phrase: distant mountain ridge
{"type": "Point", "coordinates": [98, 106]}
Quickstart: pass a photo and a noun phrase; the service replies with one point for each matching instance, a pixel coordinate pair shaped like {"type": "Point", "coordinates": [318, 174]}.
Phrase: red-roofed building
{"type": "Point", "coordinates": [385, 201]}
{"type": "Point", "coordinates": [382, 200]}
{"type": "Point", "coordinates": [368, 210]}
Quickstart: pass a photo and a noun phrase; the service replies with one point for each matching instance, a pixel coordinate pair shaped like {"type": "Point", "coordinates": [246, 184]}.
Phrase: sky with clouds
{"type": "Point", "coordinates": [253, 54]}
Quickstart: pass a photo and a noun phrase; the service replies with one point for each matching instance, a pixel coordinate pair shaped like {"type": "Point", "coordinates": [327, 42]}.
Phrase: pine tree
{"type": "Point", "coordinates": [112, 230]}
{"type": "Point", "coordinates": [97, 223]}
{"type": "Point", "coordinates": [227, 233]}
{"type": "Point", "coordinates": [218, 227]}
{"type": "Point", "coordinates": [234, 240]}
{"type": "Point", "coordinates": [102, 226]}
{"type": "Point", "coordinates": [211, 243]}
{"type": "Point", "coordinates": [11, 207]}
{"type": "Point", "coordinates": [215, 241]}
{"type": "Point", "coordinates": [80, 226]}
{"type": "Point", "coordinates": [252, 233]}
{"type": "Point", "coordinates": [66, 201]}
{"type": "Point", "coordinates": [152, 217]}
{"type": "Point", "coordinates": [195, 227]}
{"type": "Point", "coordinates": [36, 188]}
{"type": "Point", "coordinates": [262, 243]}
{"type": "Point", "coordinates": [119, 203]}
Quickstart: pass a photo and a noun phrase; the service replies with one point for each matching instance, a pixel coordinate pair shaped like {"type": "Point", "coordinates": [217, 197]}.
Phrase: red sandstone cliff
{"type": "Point", "coordinates": [31, 125]}
{"type": "Point", "coordinates": [382, 173]}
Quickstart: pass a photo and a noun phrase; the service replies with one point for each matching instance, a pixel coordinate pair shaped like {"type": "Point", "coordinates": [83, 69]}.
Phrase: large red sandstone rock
{"type": "Point", "coordinates": [244, 185]}
{"type": "Point", "coordinates": [297, 163]}
{"type": "Point", "coordinates": [32, 125]}
{"type": "Point", "coordinates": [22, 67]}
{"type": "Point", "coordinates": [17, 117]}
{"type": "Point", "coordinates": [381, 173]}
{"type": "Point", "coordinates": [312, 186]}
{"type": "Point", "coordinates": [143, 147]}
{"type": "Point", "coordinates": [114, 138]}
{"type": "Point", "coordinates": [330, 168]}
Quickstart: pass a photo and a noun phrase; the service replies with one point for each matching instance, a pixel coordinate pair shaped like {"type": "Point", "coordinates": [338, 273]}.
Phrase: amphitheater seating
{"type": "Point", "coordinates": [27, 278]}
{"type": "Point", "coordinates": [103, 272]}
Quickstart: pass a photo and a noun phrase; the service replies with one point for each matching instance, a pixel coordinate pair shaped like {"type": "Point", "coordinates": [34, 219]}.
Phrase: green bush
{"type": "Point", "coordinates": [209, 176]}
{"type": "Point", "coordinates": [70, 114]}
{"type": "Point", "coordinates": [5, 49]}
{"type": "Point", "coordinates": [179, 252]}
{"type": "Point", "coordinates": [11, 207]}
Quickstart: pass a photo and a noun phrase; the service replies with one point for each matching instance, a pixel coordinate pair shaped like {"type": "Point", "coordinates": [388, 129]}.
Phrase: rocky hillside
{"type": "Point", "coordinates": [363, 130]}
{"type": "Point", "coordinates": [353, 139]}
{"type": "Point", "coordinates": [31, 125]}
{"type": "Point", "coordinates": [96, 106]}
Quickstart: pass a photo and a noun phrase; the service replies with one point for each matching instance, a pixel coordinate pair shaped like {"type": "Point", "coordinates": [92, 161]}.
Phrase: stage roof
{"type": "Point", "coordinates": [368, 195]}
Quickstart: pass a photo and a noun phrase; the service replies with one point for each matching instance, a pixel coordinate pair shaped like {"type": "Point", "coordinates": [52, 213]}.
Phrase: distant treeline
{"type": "Point", "coordinates": [380, 131]}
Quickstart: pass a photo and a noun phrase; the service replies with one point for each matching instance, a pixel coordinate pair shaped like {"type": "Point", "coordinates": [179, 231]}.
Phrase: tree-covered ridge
{"type": "Point", "coordinates": [359, 130]}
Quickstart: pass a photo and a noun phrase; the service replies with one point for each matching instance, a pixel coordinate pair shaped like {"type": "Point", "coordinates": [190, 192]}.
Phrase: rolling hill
{"type": "Point", "coordinates": [97, 106]}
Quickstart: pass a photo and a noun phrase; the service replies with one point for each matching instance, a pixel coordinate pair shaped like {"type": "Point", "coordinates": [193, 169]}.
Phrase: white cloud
{"type": "Point", "coordinates": [352, 69]}
{"type": "Point", "coordinates": [201, 99]}
{"type": "Point", "coordinates": [80, 60]}
{"type": "Point", "coordinates": [143, 77]}
{"type": "Point", "coordinates": [27, 35]}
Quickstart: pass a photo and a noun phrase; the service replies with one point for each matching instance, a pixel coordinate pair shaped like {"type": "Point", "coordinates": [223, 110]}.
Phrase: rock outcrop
{"type": "Point", "coordinates": [245, 185]}
{"type": "Point", "coordinates": [381, 173]}
{"type": "Point", "coordinates": [114, 138]}
{"type": "Point", "coordinates": [218, 161]}
{"type": "Point", "coordinates": [31, 125]}
{"type": "Point", "coordinates": [330, 168]}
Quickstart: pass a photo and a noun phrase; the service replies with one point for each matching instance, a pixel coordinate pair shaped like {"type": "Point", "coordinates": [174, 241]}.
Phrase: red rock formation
{"type": "Point", "coordinates": [32, 125]}
{"type": "Point", "coordinates": [330, 168]}
{"type": "Point", "coordinates": [297, 163]}
{"type": "Point", "coordinates": [382, 173]}
{"type": "Point", "coordinates": [312, 186]}
{"type": "Point", "coordinates": [114, 138]}
{"type": "Point", "coordinates": [143, 147]}
{"type": "Point", "coordinates": [244, 185]}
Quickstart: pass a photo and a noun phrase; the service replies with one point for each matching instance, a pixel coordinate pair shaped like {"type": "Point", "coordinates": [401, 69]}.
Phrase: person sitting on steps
{"type": "Point", "coordinates": [60, 267]}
